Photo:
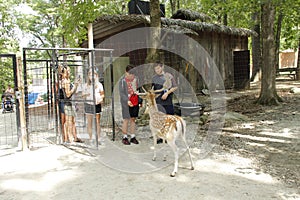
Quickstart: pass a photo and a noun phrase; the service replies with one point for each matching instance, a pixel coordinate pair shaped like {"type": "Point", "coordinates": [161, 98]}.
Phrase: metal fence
{"type": "Point", "coordinates": [40, 78]}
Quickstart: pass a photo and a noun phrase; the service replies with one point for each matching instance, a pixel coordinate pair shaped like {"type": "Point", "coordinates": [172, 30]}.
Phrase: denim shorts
{"type": "Point", "coordinates": [61, 107]}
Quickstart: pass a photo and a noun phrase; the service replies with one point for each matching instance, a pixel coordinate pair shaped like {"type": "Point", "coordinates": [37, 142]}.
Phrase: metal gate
{"type": "Point", "coordinates": [43, 123]}
{"type": "Point", "coordinates": [10, 118]}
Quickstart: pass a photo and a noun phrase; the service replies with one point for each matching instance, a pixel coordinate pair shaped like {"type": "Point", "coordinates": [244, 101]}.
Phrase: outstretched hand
{"type": "Point", "coordinates": [78, 80]}
{"type": "Point", "coordinates": [164, 96]}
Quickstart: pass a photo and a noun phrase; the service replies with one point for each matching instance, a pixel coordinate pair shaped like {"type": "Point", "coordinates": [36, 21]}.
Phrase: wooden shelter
{"type": "Point", "coordinates": [226, 45]}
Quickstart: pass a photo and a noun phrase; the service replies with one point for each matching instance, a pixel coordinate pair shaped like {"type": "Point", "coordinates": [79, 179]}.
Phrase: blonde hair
{"type": "Point", "coordinates": [89, 81]}
{"type": "Point", "coordinates": [59, 70]}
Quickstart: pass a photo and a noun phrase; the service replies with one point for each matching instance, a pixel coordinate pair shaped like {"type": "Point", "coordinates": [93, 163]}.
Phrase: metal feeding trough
{"type": "Point", "coordinates": [189, 109]}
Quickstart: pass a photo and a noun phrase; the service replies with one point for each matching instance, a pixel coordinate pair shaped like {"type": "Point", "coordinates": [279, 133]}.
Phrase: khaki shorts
{"type": "Point", "coordinates": [70, 111]}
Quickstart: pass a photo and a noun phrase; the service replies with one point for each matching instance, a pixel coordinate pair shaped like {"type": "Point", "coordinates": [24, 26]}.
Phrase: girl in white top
{"type": "Point", "coordinates": [92, 107]}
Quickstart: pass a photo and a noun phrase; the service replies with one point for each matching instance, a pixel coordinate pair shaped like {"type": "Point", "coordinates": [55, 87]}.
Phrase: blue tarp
{"type": "Point", "coordinates": [32, 97]}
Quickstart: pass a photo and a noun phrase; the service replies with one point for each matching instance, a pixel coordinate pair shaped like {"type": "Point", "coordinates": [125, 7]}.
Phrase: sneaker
{"type": "Point", "coordinates": [91, 142]}
{"type": "Point", "coordinates": [159, 141]}
{"type": "Point", "coordinates": [125, 141]}
{"type": "Point", "coordinates": [134, 140]}
{"type": "Point", "coordinates": [66, 143]}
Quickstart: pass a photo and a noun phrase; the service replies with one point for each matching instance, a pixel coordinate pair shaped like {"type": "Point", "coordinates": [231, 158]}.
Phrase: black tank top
{"type": "Point", "coordinates": [67, 100]}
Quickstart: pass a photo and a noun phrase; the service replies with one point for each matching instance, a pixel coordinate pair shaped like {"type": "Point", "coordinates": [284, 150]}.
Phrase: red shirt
{"type": "Point", "coordinates": [129, 86]}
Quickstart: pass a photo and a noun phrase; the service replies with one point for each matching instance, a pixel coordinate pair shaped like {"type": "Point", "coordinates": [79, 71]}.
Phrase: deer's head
{"type": "Point", "coordinates": [149, 96]}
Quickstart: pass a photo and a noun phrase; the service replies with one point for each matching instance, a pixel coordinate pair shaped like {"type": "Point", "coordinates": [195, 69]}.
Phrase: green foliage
{"type": "Point", "coordinates": [75, 16]}
{"type": "Point", "coordinates": [44, 97]}
{"type": "Point", "coordinates": [59, 23]}
{"type": "Point", "coordinates": [42, 23]}
{"type": "Point", "coordinates": [6, 73]}
{"type": "Point", "coordinates": [290, 35]}
{"type": "Point", "coordinates": [8, 40]}
{"type": "Point", "coordinates": [238, 14]}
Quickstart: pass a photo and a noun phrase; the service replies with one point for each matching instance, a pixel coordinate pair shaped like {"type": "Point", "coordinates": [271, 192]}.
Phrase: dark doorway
{"type": "Point", "coordinates": [241, 60]}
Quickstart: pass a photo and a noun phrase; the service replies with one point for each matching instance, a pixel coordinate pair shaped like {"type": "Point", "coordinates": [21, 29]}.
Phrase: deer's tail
{"type": "Point", "coordinates": [183, 126]}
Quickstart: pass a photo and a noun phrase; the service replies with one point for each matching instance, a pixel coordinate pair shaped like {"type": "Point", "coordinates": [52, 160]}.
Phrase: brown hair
{"type": "Point", "coordinates": [158, 63]}
{"type": "Point", "coordinates": [129, 68]}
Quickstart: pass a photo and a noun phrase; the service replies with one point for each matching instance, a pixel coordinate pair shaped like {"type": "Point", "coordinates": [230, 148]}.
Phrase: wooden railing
{"type": "Point", "coordinates": [290, 71]}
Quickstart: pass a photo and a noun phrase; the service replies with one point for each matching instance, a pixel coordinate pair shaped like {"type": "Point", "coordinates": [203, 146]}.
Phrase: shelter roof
{"type": "Point", "coordinates": [177, 25]}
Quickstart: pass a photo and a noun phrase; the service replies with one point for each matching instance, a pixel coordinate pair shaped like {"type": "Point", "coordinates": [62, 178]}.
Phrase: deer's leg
{"type": "Point", "coordinates": [154, 145]}
{"type": "Point", "coordinates": [175, 150]}
{"type": "Point", "coordinates": [165, 154]}
{"type": "Point", "coordinates": [189, 152]}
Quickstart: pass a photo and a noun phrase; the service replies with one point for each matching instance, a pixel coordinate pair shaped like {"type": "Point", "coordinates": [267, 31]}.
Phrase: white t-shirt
{"type": "Point", "coordinates": [89, 90]}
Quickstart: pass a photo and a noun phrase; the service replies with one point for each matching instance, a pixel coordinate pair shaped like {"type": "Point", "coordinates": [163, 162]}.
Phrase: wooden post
{"type": "Point", "coordinates": [90, 36]}
{"type": "Point", "coordinates": [23, 138]}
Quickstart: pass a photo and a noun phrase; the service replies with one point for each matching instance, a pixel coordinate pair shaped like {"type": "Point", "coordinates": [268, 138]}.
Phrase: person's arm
{"type": "Point", "coordinates": [102, 95]}
{"type": "Point", "coordinates": [172, 89]}
{"type": "Point", "coordinates": [122, 91]}
{"type": "Point", "coordinates": [174, 84]}
{"type": "Point", "coordinates": [69, 92]}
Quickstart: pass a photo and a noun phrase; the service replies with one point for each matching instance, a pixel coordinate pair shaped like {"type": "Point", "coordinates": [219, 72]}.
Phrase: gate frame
{"type": "Point", "coordinates": [16, 90]}
{"type": "Point", "coordinates": [53, 63]}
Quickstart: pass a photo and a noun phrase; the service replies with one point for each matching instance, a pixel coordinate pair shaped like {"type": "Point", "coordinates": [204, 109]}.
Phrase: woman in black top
{"type": "Point", "coordinates": [68, 91]}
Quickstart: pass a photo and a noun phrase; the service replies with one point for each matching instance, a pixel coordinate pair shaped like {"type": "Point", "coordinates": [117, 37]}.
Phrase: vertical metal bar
{"type": "Point", "coordinates": [17, 104]}
{"type": "Point", "coordinates": [52, 88]}
{"type": "Point", "coordinates": [56, 100]}
{"type": "Point", "coordinates": [112, 96]}
{"type": "Point", "coordinates": [94, 96]}
{"type": "Point", "coordinates": [48, 89]}
{"type": "Point", "coordinates": [26, 96]}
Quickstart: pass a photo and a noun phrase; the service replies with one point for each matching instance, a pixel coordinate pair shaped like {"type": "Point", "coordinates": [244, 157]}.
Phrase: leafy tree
{"type": "Point", "coordinates": [290, 35]}
{"type": "Point", "coordinates": [237, 13]}
{"type": "Point", "coordinates": [76, 15]}
{"type": "Point", "coordinates": [8, 31]}
{"type": "Point", "coordinates": [43, 23]}
{"type": "Point", "coordinates": [8, 41]}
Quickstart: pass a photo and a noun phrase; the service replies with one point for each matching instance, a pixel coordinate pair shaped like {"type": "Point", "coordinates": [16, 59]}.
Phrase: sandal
{"type": "Point", "coordinates": [78, 140]}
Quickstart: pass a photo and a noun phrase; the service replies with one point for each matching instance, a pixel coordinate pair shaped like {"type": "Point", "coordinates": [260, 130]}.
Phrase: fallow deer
{"type": "Point", "coordinates": [167, 127]}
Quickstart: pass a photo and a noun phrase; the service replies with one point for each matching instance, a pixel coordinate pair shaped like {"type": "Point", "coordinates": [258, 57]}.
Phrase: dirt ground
{"type": "Point", "coordinates": [256, 156]}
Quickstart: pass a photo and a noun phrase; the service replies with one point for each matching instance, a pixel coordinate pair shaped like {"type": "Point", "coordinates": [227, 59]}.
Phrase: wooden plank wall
{"type": "Point", "coordinates": [220, 47]}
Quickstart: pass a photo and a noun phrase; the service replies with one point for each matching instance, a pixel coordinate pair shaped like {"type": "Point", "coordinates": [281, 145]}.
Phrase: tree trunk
{"type": "Point", "coordinates": [155, 23]}
{"type": "Point", "coordinates": [277, 39]}
{"type": "Point", "coordinates": [298, 64]}
{"type": "Point", "coordinates": [225, 19]}
{"type": "Point", "coordinates": [173, 6]}
{"type": "Point", "coordinates": [268, 94]}
{"type": "Point", "coordinates": [256, 48]}
{"type": "Point", "coordinates": [154, 39]}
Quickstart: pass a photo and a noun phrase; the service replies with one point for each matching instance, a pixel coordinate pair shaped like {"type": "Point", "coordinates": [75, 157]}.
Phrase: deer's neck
{"type": "Point", "coordinates": [152, 107]}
